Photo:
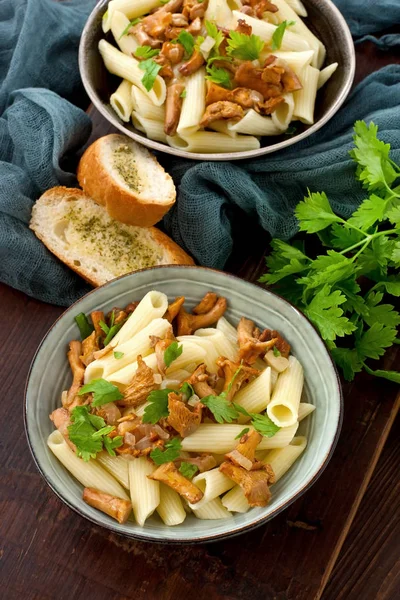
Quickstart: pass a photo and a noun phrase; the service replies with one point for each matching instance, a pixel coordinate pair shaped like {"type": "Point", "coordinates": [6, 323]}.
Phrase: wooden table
{"type": "Point", "coordinates": [48, 552]}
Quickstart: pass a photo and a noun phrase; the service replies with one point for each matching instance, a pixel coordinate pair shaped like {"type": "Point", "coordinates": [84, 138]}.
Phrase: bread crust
{"type": "Point", "coordinates": [125, 206]}
{"type": "Point", "coordinates": [175, 254]}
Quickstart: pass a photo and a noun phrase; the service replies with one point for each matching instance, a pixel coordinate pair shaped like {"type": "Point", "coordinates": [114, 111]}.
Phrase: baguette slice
{"type": "Point", "coordinates": [83, 235]}
{"type": "Point", "coordinates": [126, 178]}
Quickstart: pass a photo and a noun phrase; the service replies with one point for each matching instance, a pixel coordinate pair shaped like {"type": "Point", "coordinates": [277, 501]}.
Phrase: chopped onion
{"type": "Point", "coordinates": [157, 378]}
{"type": "Point", "coordinates": [193, 400]}
{"type": "Point", "coordinates": [206, 46]}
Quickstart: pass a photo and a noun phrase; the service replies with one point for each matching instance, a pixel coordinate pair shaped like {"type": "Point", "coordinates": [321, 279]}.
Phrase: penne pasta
{"type": "Point", "coordinates": [223, 346]}
{"type": "Point", "coordinates": [118, 63]}
{"type": "Point", "coordinates": [154, 305]}
{"type": "Point", "coordinates": [193, 104]}
{"type": "Point", "coordinates": [304, 100]}
{"type": "Point", "coordinates": [145, 493]}
{"type": "Point", "coordinates": [121, 101]}
{"type": "Point", "coordinates": [227, 329]}
{"type": "Point", "coordinates": [298, 7]}
{"type": "Point", "coordinates": [235, 500]}
{"type": "Point", "coordinates": [210, 352]}
{"type": "Point", "coordinates": [122, 377]}
{"type": "Point", "coordinates": [130, 8]}
{"type": "Point", "coordinates": [170, 508]}
{"type": "Point", "coordinates": [255, 396]}
{"type": "Point", "coordinates": [89, 474]}
{"type": "Point", "coordinates": [284, 406]}
{"type": "Point", "coordinates": [219, 12]}
{"type": "Point", "coordinates": [290, 41]}
{"type": "Point", "coordinates": [326, 74]}
{"type": "Point", "coordinates": [126, 43]}
{"type": "Point", "coordinates": [212, 510]}
{"type": "Point", "coordinates": [212, 483]}
{"type": "Point", "coordinates": [282, 116]}
{"type": "Point", "coordinates": [209, 142]}
{"type": "Point", "coordinates": [254, 124]}
{"type": "Point", "coordinates": [117, 466]}
{"type": "Point", "coordinates": [153, 129]}
{"type": "Point", "coordinates": [295, 60]}
{"type": "Point", "coordinates": [281, 459]}
{"type": "Point", "coordinates": [143, 106]}
{"type": "Point", "coordinates": [305, 409]}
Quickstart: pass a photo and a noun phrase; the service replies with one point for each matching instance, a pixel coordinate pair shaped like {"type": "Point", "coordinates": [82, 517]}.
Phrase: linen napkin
{"type": "Point", "coordinates": [42, 128]}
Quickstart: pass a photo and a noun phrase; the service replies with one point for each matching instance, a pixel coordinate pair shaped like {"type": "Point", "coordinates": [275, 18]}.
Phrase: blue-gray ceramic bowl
{"type": "Point", "coordinates": [50, 374]}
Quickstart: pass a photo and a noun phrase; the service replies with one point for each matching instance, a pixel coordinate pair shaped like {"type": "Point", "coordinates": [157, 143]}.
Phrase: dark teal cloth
{"type": "Point", "coordinates": [42, 128]}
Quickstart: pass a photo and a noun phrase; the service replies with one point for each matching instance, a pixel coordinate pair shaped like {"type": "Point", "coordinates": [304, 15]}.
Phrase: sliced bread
{"type": "Point", "coordinates": [84, 236]}
{"type": "Point", "coordinates": [127, 180]}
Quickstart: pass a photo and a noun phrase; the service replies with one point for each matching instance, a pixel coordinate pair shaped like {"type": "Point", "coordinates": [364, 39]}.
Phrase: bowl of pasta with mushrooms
{"type": "Point", "coordinates": [181, 404]}
{"type": "Point", "coordinates": [217, 79]}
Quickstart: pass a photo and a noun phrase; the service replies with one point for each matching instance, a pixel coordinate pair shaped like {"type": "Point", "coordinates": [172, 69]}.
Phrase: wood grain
{"type": "Point", "coordinates": [48, 552]}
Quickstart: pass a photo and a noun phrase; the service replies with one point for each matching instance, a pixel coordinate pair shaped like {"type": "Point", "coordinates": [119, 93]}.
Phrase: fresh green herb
{"type": "Point", "coordinates": [187, 390]}
{"type": "Point", "coordinates": [105, 16]}
{"type": "Point", "coordinates": [171, 452]}
{"type": "Point", "coordinates": [245, 47]}
{"type": "Point", "coordinates": [103, 392]}
{"type": "Point", "coordinates": [164, 1]}
{"type": "Point", "coordinates": [172, 352]}
{"type": "Point", "coordinates": [146, 51]}
{"type": "Point", "coordinates": [127, 28]}
{"type": "Point", "coordinates": [158, 407]}
{"type": "Point", "coordinates": [110, 331]}
{"type": "Point", "coordinates": [186, 40]}
{"type": "Point", "coordinates": [151, 69]}
{"type": "Point", "coordinates": [242, 433]}
{"type": "Point", "coordinates": [89, 433]}
{"type": "Point", "coordinates": [218, 57]}
{"type": "Point", "coordinates": [85, 328]}
{"type": "Point", "coordinates": [261, 423]}
{"type": "Point", "coordinates": [118, 355]}
{"type": "Point", "coordinates": [221, 408]}
{"type": "Point", "coordinates": [215, 33]}
{"type": "Point", "coordinates": [219, 76]}
{"type": "Point", "coordinates": [276, 351]}
{"type": "Point", "coordinates": [188, 470]}
{"type": "Point", "coordinates": [279, 33]}
{"type": "Point", "coordinates": [183, 94]}
{"type": "Point", "coordinates": [366, 245]}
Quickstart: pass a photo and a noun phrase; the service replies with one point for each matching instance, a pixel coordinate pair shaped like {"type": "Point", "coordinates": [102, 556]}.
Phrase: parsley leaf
{"type": "Point", "coordinates": [368, 213]}
{"type": "Point", "coordinates": [325, 313]}
{"type": "Point", "coordinates": [183, 94]}
{"type": "Point", "coordinates": [187, 390]}
{"type": "Point", "coordinates": [276, 351]}
{"type": "Point", "coordinates": [242, 433]}
{"type": "Point", "coordinates": [151, 70]}
{"type": "Point", "coordinates": [314, 213]}
{"type": "Point", "coordinates": [127, 28]}
{"type": "Point", "coordinates": [221, 408]}
{"type": "Point", "coordinates": [118, 355]}
{"type": "Point", "coordinates": [146, 52]}
{"type": "Point", "coordinates": [103, 392]}
{"type": "Point", "coordinates": [348, 360]}
{"type": "Point", "coordinates": [215, 33]}
{"type": "Point", "coordinates": [171, 452]}
{"type": "Point", "coordinates": [278, 34]}
{"type": "Point", "coordinates": [390, 375]}
{"type": "Point", "coordinates": [188, 470]}
{"type": "Point", "coordinates": [110, 331]}
{"type": "Point", "coordinates": [158, 407]}
{"type": "Point", "coordinates": [373, 342]}
{"type": "Point", "coordinates": [111, 444]}
{"type": "Point", "coordinates": [171, 353]}
{"type": "Point", "coordinates": [261, 423]}
{"type": "Point", "coordinates": [85, 328]}
{"type": "Point", "coordinates": [89, 433]}
{"type": "Point", "coordinates": [244, 47]}
{"type": "Point", "coordinates": [219, 75]}
{"type": "Point", "coordinates": [186, 40]}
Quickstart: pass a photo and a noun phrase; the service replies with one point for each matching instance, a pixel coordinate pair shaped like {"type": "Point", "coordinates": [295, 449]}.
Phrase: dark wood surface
{"type": "Point", "coordinates": [48, 552]}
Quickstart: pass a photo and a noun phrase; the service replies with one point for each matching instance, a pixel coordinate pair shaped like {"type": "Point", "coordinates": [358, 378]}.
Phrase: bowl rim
{"type": "Point", "coordinates": [218, 156]}
{"type": "Point", "coordinates": [209, 537]}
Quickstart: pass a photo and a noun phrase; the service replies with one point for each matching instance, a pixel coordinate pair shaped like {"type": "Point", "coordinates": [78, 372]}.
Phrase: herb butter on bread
{"type": "Point", "coordinates": [127, 180]}
{"type": "Point", "coordinates": [86, 238]}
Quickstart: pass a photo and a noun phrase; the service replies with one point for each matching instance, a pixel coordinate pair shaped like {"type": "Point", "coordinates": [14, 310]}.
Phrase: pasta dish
{"type": "Point", "coordinates": [178, 412]}
{"type": "Point", "coordinates": [213, 75]}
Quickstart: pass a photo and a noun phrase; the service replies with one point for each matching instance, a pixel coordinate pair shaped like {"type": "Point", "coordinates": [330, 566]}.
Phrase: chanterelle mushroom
{"type": "Point", "coordinates": [235, 375]}
{"type": "Point", "coordinates": [188, 323]}
{"type": "Point", "coordinates": [183, 418]}
{"type": "Point", "coordinates": [174, 308]}
{"type": "Point", "coordinates": [193, 64]}
{"type": "Point", "coordinates": [221, 110]}
{"type": "Point", "coordinates": [244, 453]}
{"type": "Point", "coordinates": [160, 346]}
{"type": "Point", "coordinates": [117, 508]}
{"type": "Point", "coordinates": [199, 380]}
{"type": "Point", "coordinates": [171, 476]}
{"type": "Point", "coordinates": [61, 419]}
{"type": "Point", "coordinates": [78, 370]}
{"type": "Point", "coordinates": [251, 344]}
{"type": "Point", "coordinates": [140, 386]}
{"type": "Point", "coordinates": [173, 107]}
{"type": "Point", "coordinates": [253, 483]}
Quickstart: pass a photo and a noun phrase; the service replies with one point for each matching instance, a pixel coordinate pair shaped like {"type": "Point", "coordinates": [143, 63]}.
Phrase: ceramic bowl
{"type": "Point", "coordinates": [50, 374]}
{"type": "Point", "coordinates": [324, 20]}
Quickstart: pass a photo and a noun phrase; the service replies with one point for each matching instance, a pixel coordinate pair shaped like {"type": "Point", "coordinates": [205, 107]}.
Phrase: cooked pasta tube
{"type": "Point", "coordinates": [286, 13]}
{"type": "Point", "coordinates": [153, 129]}
{"type": "Point", "coordinates": [284, 406]}
{"type": "Point", "coordinates": [305, 409]}
{"type": "Point", "coordinates": [298, 7]}
{"type": "Point", "coordinates": [219, 12]}
{"type": "Point", "coordinates": [281, 459]}
{"type": "Point", "coordinates": [222, 126]}
{"type": "Point", "coordinates": [89, 474]}
{"type": "Point", "coordinates": [192, 353]}
{"type": "Point", "coordinates": [326, 74]}
{"type": "Point", "coordinates": [227, 329]}
{"type": "Point", "coordinates": [121, 101]}
{"type": "Point", "coordinates": [122, 377]}
{"type": "Point", "coordinates": [235, 500]}
{"type": "Point", "coordinates": [127, 43]}
{"type": "Point", "coordinates": [295, 60]}
{"type": "Point", "coordinates": [282, 116]}
{"type": "Point", "coordinates": [209, 142]}
{"type": "Point", "coordinates": [254, 124]}
{"type": "Point", "coordinates": [144, 106]}
{"type": "Point", "coordinates": [210, 352]}
{"type": "Point", "coordinates": [222, 344]}
{"type": "Point", "coordinates": [145, 492]}
{"type": "Point", "coordinates": [212, 483]}
{"type": "Point", "coordinates": [138, 344]}
{"type": "Point", "coordinates": [130, 8]}
{"type": "Point", "coordinates": [126, 67]}
{"type": "Point", "coordinates": [304, 99]}
{"type": "Point", "coordinates": [255, 396]}
{"type": "Point", "coordinates": [117, 466]}
{"type": "Point", "coordinates": [193, 104]}
{"type": "Point", "coordinates": [212, 510]}
{"type": "Point", "coordinates": [290, 41]}
{"type": "Point", "coordinates": [220, 439]}
{"type": "Point", "coordinates": [152, 306]}
{"type": "Point", "coordinates": [274, 378]}
{"type": "Point", "coordinates": [170, 508]}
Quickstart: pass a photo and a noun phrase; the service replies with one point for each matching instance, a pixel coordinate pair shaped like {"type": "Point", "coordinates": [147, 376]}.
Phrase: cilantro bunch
{"type": "Point", "coordinates": [342, 290]}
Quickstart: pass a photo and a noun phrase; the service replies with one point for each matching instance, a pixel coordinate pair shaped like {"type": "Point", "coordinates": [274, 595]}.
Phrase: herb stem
{"type": "Point", "coordinates": [353, 227]}
{"type": "Point", "coordinates": [369, 237]}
